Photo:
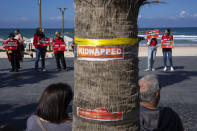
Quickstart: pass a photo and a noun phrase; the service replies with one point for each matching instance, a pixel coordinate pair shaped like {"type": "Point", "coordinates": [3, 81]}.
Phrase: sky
{"type": "Point", "coordinates": [24, 14]}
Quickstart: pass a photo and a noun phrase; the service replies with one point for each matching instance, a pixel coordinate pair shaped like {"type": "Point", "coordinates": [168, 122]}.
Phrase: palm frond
{"type": "Point", "coordinates": [153, 2]}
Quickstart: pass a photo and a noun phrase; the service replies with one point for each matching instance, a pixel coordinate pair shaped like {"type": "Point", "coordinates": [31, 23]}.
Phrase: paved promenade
{"type": "Point", "coordinates": [19, 92]}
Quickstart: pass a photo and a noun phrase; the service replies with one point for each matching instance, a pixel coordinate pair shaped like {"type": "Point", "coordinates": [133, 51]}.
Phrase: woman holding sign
{"type": "Point", "coordinates": [58, 49]}
{"type": "Point", "coordinates": [167, 43]}
{"type": "Point", "coordinates": [12, 47]}
{"type": "Point", "coordinates": [40, 48]}
{"type": "Point", "coordinates": [152, 36]}
{"type": "Point", "coordinates": [152, 50]}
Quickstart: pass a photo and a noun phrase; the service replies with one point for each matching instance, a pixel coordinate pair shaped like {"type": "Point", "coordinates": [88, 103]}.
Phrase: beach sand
{"type": "Point", "coordinates": [143, 52]}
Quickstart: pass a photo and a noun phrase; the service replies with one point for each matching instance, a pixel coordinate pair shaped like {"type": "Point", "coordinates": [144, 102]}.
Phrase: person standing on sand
{"type": "Point", "coordinates": [40, 49]}
{"type": "Point", "coordinates": [59, 55]}
{"type": "Point", "coordinates": [167, 51]}
{"type": "Point", "coordinates": [152, 50]}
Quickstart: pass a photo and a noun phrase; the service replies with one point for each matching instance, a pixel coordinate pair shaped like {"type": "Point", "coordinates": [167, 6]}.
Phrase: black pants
{"type": "Point", "coordinates": [14, 61]}
{"type": "Point", "coordinates": [58, 57]}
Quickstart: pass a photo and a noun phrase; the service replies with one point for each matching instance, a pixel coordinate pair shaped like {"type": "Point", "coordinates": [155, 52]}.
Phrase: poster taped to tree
{"type": "Point", "coordinates": [152, 34]}
{"type": "Point", "coordinates": [99, 53]}
{"type": "Point", "coordinates": [167, 44]}
{"type": "Point", "coordinates": [100, 114]}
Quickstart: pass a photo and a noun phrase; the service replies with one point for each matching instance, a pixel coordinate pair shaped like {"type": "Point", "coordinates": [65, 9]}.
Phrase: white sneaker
{"type": "Point", "coordinates": [147, 69]}
{"type": "Point", "coordinates": [165, 68]}
{"type": "Point", "coordinates": [44, 70]}
{"type": "Point", "coordinates": [171, 68]}
{"type": "Point", "coordinates": [153, 69]}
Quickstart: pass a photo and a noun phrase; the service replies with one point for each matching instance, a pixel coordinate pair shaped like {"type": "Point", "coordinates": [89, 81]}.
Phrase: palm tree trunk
{"type": "Point", "coordinates": [111, 84]}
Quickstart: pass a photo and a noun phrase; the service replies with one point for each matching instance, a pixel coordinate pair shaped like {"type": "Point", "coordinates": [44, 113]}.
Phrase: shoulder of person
{"type": "Point", "coordinates": [32, 124]}
{"type": "Point", "coordinates": [32, 118]}
{"type": "Point", "coordinates": [169, 112]}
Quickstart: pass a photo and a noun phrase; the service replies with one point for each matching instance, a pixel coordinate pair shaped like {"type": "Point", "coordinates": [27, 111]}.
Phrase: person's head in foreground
{"type": "Point", "coordinates": [17, 31]}
{"type": "Point", "coordinates": [151, 116]}
{"type": "Point", "coordinates": [52, 109]}
{"type": "Point", "coordinates": [167, 32]}
{"type": "Point", "coordinates": [53, 103]}
{"type": "Point", "coordinates": [57, 34]}
{"type": "Point", "coordinates": [11, 36]}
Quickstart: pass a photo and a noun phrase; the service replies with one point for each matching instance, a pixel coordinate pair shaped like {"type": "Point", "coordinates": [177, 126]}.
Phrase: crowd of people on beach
{"type": "Point", "coordinates": [15, 52]}
{"type": "Point", "coordinates": [16, 55]}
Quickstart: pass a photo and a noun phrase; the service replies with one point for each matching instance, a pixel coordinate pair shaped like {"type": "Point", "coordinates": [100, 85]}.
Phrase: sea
{"type": "Point", "coordinates": [183, 36]}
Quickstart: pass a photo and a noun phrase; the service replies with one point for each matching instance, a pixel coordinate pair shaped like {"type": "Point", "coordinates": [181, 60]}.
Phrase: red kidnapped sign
{"type": "Point", "coordinates": [167, 44]}
{"type": "Point", "coordinates": [100, 114]}
{"type": "Point", "coordinates": [10, 45]}
{"type": "Point", "coordinates": [152, 34]}
{"type": "Point", "coordinates": [45, 42]}
{"type": "Point", "coordinates": [59, 46]}
{"type": "Point", "coordinates": [100, 52]}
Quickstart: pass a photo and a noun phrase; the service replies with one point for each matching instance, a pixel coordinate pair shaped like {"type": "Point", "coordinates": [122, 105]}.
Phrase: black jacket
{"type": "Point", "coordinates": [161, 119]}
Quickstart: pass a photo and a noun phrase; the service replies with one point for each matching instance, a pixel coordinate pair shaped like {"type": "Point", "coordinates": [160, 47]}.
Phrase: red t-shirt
{"type": "Point", "coordinates": [57, 40]}
{"type": "Point", "coordinates": [153, 42]}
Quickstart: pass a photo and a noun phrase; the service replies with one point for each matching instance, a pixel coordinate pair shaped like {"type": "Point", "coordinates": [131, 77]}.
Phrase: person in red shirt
{"type": "Point", "coordinates": [59, 55]}
{"type": "Point", "coordinates": [167, 51]}
{"type": "Point", "coordinates": [152, 50]}
{"type": "Point", "coordinates": [40, 49]}
{"type": "Point", "coordinates": [13, 54]}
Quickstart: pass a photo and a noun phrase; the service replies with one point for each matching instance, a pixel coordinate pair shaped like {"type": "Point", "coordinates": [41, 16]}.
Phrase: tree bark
{"type": "Point", "coordinates": [111, 84]}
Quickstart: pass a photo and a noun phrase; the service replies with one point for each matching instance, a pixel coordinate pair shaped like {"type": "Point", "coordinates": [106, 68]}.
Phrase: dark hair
{"type": "Point", "coordinates": [168, 30]}
{"type": "Point", "coordinates": [17, 30]}
{"type": "Point", "coordinates": [38, 31]}
{"type": "Point", "coordinates": [53, 103]}
{"type": "Point", "coordinates": [11, 35]}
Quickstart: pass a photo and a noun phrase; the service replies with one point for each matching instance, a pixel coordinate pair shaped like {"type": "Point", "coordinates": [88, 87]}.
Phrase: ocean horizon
{"type": "Point", "coordinates": [186, 36]}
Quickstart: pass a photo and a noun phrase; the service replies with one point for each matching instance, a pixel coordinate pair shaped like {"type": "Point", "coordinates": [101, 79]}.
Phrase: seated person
{"type": "Point", "coordinates": [153, 118]}
{"type": "Point", "coordinates": [51, 112]}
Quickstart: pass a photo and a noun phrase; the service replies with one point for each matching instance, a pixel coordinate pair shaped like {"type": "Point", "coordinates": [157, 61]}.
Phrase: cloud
{"type": "Point", "coordinates": [185, 14]}
{"type": "Point", "coordinates": [194, 15]}
{"type": "Point", "coordinates": [17, 19]}
{"type": "Point", "coordinates": [23, 19]}
{"type": "Point", "coordinates": [54, 18]}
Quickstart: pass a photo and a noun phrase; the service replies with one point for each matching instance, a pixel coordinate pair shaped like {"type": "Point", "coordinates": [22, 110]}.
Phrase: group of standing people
{"type": "Point", "coordinates": [167, 52]}
{"type": "Point", "coordinates": [16, 55]}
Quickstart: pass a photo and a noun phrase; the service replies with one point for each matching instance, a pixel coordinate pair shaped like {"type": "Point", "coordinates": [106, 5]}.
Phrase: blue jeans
{"type": "Point", "coordinates": [152, 50]}
{"type": "Point", "coordinates": [167, 53]}
{"type": "Point", "coordinates": [40, 53]}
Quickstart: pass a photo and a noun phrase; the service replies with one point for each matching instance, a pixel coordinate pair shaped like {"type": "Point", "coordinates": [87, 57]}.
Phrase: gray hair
{"type": "Point", "coordinates": [149, 94]}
